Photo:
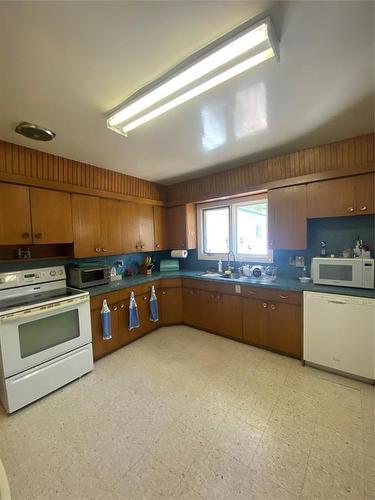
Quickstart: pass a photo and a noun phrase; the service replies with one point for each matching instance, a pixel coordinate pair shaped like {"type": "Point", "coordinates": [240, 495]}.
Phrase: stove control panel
{"type": "Point", "coordinates": [30, 276]}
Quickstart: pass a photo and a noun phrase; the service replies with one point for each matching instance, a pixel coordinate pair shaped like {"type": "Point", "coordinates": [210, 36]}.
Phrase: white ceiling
{"type": "Point", "coordinates": [65, 64]}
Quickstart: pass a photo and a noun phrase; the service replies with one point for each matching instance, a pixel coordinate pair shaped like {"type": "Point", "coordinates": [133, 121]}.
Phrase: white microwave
{"type": "Point", "coordinates": [339, 271]}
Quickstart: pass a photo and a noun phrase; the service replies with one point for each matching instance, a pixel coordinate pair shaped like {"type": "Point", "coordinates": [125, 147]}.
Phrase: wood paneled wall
{"type": "Point", "coordinates": [352, 156]}
{"type": "Point", "coordinates": [28, 166]}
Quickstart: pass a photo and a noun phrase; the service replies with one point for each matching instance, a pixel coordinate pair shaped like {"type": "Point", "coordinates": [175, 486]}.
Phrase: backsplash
{"type": "Point", "coordinates": [339, 233]}
{"type": "Point", "coordinates": [131, 261]}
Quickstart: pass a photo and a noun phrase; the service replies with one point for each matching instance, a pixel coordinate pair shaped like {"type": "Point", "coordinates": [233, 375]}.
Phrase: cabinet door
{"type": "Point", "coordinates": [110, 226]}
{"type": "Point", "coordinates": [176, 217]}
{"type": "Point", "coordinates": [287, 221]}
{"type": "Point", "coordinates": [102, 347]}
{"type": "Point", "coordinates": [125, 336]}
{"type": "Point", "coordinates": [364, 194]}
{"type": "Point", "coordinates": [160, 228]}
{"type": "Point", "coordinates": [255, 321]}
{"type": "Point", "coordinates": [51, 216]}
{"type": "Point", "coordinates": [143, 304]}
{"type": "Point", "coordinates": [86, 225]}
{"type": "Point", "coordinates": [146, 227]}
{"type": "Point", "coordinates": [129, 227]}
{"type": "Point", "coordinates": [228, 315]}
{"type": "Point", "coordinates": [189, 306]}
{"type": "Point", "coordinates": [332, 198]}
{"type": "Point", "coordinates": [170, 306]}
{"type": "Point", "coordinates": [15, 221]}
{"type": "Point", "coordinates": [182, 227]}
{"type": "Point", "coordinates": [285, 328]}
{"type": "Point", "coordinates": [191, 226]}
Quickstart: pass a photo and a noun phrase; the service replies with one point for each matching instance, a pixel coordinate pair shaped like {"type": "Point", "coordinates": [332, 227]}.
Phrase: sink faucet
{"type": "Point", "coordinates": [231, 254]}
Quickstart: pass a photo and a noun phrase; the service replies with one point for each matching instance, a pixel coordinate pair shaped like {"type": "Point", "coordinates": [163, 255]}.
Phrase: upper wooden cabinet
{"type": "Point", "coordinates": [364, 188]}
{"type": "Point", "coordinates": [137, 226]}
{"type": "Point", "coordinates": [145, 227]}
{"type": "Point", "coordinates": [341, 197]}
{"type": "Point", "coordinates": [110, 226]}
{"type": "Point", "coordinates": [160, 228]}
{"type": "Point", "coordinates": [86, 221]}
{"type": "Point", "coordinates": [15, 220]}
{"type": "Point", "coordinates": [182, 227]}
{"type": "Point", "coordinates": [287, 224]}
{"type": "Point", "coordinates": [51, 215]}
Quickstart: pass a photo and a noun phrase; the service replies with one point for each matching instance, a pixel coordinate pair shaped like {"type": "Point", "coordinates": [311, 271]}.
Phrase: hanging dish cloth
{"type": "Point", "coordinates": [133, 313]}
{"type": "Point", "coordinates": [154, 310]}
{"type": "Point", "coordinates": [106, 321]}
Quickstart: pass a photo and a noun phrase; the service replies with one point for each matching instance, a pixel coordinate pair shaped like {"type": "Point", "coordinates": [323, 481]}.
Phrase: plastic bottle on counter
{"type": "Point", "coordinates": [220, 266]}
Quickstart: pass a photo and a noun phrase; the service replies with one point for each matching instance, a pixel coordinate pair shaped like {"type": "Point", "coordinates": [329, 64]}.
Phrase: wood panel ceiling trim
{"type": "Point", "coordinates": [347, 157]}
{"type": "Point", "coordinates": [24, 165]}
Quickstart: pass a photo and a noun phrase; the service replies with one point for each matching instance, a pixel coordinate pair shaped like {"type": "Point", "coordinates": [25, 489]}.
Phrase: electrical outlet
{"type": "Point", "coordinates": [237, 288]}
{"type": "Point", "coordinates": [292, 261]}
{"type": "Point", "coordinates": [300, 261]}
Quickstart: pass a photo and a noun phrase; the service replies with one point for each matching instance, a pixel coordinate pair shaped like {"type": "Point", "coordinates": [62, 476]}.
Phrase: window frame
{"type": "Point", "coordinates": [231, 203]}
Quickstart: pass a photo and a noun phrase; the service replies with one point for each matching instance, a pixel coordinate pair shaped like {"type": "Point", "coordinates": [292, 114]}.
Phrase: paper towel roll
{"type": "Point", "coordinates": [179, 254]}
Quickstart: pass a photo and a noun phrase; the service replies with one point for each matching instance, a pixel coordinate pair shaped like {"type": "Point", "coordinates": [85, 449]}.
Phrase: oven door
{"type": "Point", "coordinates": [339, 272]}
{"type": "Point", "coordinates": [33, 336]}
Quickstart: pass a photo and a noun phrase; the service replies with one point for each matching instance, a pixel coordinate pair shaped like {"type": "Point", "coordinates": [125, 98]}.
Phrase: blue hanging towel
{"type": "Point", "coordinates": [154, 310]}
{"type": "Point", "coordinates": [106, 321]}
{"type": "Point", "coordinates": [133, 313]}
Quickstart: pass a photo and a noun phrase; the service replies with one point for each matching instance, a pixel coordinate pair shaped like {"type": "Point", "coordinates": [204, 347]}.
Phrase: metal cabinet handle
{"type": "Point", "coordinates": [164, 292]}
{"type": "Point", "coordinates": [363, 208]}
{"type": "Point", "coordinates": [157, 245]}
{"type": "Point", "coordinates": [145, 298]}
{"type": "Point", "coordinates": [218, 297]}
{"type": "Point", "coordinates": [25, 235]}
{"type": "Point", "coordinates": [38, 235]}
{"type": "Point", "coordinates": [97, 250]}
{"type": "Point", "coordinates": [142, 246]}
{"type": "Point", "coordinates": [104, 250]}
{"type": "Point", "coordinates": [350, 209]}
{"type": "Point", "coordinates": [115, 308]}
{"type": "Point", "coordinates": [122, 306]}
{"type": "Point", "coordinates": [270, 243]}
{"type": "Point", "coordinates": [265, 305]}
{"type": "Point", "coordinates": [273, 307]}
{"type": "Point", "coordinates": [283, 296]}
{"type": "Point", "coordinates": [250, 292]}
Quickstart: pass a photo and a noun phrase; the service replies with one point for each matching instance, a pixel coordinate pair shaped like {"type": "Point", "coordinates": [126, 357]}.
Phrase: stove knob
{"type": "Point", "coordinates": [53, 273]}
{"type": "Point", "coordinates": [2, 280]}
{"type": "Point", "coordinates": [60, 272]}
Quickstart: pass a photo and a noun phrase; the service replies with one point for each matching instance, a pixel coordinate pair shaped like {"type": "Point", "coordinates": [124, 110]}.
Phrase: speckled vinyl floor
{"type": "Point", "coordinates": [182, 414]}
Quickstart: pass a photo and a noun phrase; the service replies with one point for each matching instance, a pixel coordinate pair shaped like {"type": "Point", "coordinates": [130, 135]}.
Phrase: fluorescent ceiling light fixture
{"type": "Point", "coordinates": [243, 48]}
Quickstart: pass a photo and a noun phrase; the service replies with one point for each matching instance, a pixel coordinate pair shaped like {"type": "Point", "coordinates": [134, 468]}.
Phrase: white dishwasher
{"type": "Point", "coordinates": [339, 333]}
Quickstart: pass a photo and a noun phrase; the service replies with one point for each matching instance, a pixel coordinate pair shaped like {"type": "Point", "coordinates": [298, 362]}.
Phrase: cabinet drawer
{"type": "Point", "coordinates": [111, 297]}
{"type": "Point", "coordinates": [170, 283]}
{"type": "Point", "coordinates": [210, 286]}
{"type": "Point", "coordinates": [272, 295]}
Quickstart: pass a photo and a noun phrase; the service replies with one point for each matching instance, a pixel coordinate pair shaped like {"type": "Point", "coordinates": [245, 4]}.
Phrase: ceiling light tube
{"type": "Point", "coordinates": [250, 46]}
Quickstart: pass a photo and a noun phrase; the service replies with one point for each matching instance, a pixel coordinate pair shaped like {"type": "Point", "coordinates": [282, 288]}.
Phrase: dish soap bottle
{"type": "Point", "coordinates": [220, 266]}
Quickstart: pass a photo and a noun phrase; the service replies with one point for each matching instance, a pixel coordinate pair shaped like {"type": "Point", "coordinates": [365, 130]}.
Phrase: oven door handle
{"type": "Point", "coordinates": [55, 306]}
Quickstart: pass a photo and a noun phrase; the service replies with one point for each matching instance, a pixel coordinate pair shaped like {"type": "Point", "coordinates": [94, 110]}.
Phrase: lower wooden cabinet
{"type": "Point", "coordinates": [266, 318]}
{"type": "Point", "coordinates": [100, 346]}
{"type": "Point", "coordinates": [170, 306]}
{"type": "Point", "coordinates": [274, 325]}
{"type": "Point", "coordinates": [215, 312]}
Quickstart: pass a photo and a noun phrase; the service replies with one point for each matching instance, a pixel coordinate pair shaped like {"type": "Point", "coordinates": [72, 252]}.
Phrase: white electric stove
{"type": "Point", "coordinates": [45, 335]}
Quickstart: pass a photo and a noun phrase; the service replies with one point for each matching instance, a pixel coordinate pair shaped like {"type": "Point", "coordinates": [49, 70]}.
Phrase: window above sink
{"type": "Point", "coordinates": [240, 225]}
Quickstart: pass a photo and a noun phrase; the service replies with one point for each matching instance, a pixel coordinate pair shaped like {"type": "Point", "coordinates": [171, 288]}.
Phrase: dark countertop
{"type": "Point", "coordinates": [280, 283]}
